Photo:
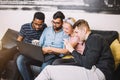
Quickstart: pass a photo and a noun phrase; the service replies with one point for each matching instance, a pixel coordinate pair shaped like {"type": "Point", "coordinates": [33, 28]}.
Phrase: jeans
{"type": "Point", "coordinates": [24, 68]}
{"type": "Point", "coordinates": [49, 60]}
{"type": "Point", "coordinates": [47, 63]}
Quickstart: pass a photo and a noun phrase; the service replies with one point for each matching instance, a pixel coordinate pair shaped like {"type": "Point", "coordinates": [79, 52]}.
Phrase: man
{"type": "Point", "coordinates": [52, 39]}
{"type": "Point", "coordinates": [28, 33]}
{"type": "Point", "coordinates": [95, 63]}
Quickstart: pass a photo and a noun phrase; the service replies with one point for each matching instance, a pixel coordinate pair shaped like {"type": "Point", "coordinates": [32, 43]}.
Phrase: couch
{"type": "Point", "coordinates": [112, 38]}
{"type": "Point", "coordinates": [8, 67]}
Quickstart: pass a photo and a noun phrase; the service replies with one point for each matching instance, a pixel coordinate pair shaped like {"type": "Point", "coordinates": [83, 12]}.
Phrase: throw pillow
{"type": "Point", "coordinates": [115, 48]}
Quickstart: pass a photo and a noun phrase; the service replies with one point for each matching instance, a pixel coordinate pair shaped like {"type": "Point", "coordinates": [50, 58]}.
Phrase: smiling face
{"type": "Point", "coordinates": [67, 28]}
{"type": "Point", "coordinates": [37, 24]}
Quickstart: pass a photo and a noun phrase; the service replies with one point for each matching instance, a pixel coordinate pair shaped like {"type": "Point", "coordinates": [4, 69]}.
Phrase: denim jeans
{"type": "Point", "coordinates": [24, 68]}
{"type": "Point", "coordinates": [49, 61]}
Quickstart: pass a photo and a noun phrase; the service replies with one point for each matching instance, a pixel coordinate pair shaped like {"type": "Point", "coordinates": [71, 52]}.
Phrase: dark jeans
{"type": "Point", "coordinates": [64, 62]}
{"type": "Point", "coordinates": [24, 66]}
{"type": "Point", "coordinates": [49, 58]}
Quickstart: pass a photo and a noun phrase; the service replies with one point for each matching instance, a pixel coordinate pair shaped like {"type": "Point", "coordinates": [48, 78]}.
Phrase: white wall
{"type": "Point", "coordinates": [15, 18]}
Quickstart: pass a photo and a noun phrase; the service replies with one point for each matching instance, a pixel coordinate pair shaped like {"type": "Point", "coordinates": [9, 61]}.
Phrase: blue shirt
{"type": "Point", "coordinates": [52, 38]}
{"type": "Point", "coordinates": [29, 33]}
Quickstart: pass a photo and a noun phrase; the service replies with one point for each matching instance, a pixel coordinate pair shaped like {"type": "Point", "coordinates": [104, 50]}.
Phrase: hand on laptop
{"type": "Point", "coordinates": [35, 42]}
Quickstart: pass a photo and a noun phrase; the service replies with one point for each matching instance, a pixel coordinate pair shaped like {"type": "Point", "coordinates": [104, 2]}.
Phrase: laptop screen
{"type": "Point", "coordinates": [31, 51]}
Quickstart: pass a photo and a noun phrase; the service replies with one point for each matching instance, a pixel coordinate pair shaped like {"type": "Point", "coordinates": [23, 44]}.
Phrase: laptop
{"type": "Point", "coordinates": [31, 51]}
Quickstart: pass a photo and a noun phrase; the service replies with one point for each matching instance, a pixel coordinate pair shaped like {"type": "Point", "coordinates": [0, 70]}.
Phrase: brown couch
{"type": "Point", "coordinates": [112, 37]}
{"type": "Point", "coordinates": [9, 42]}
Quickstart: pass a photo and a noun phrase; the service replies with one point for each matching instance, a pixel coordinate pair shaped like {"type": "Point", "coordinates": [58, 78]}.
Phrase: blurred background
{"type": "Point", "coordinates": [101, 14]}
{"type": "Point", "coordinates": [108, 6]}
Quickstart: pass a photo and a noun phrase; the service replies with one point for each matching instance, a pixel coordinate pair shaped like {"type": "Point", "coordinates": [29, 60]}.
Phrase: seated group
{"type": "Point", "coordinates": [70, 49]}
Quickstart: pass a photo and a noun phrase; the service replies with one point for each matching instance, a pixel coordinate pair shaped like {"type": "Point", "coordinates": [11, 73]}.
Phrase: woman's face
{"type": "Point", "coordinates": [67, 28]}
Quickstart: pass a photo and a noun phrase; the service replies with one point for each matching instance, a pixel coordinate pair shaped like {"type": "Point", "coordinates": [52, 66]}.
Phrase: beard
{"type": "Point", "coordinates": [57, 28]}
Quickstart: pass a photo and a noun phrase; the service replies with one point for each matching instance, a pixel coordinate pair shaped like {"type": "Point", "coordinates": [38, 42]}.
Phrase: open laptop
{"type": "Point", "coordinates": [30, 50]}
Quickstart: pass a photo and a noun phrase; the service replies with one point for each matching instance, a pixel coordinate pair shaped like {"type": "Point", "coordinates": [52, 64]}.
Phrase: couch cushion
{"type": "Point", "coordinates": [115, 48]}
{"type": "Point", "coordinates": [110, 36]}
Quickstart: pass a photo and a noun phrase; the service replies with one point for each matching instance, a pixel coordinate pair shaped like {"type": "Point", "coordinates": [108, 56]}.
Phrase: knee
{"type": "Point", "coordinates": [20, 60]}
{"type": "Point", "coordinates": [57, 62]}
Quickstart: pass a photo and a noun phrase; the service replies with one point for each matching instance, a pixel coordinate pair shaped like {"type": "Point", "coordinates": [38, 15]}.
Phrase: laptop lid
{"type": "Point", "coordinates": [31, 51]}
{"type": "Point", "coordinates": [9, 39]}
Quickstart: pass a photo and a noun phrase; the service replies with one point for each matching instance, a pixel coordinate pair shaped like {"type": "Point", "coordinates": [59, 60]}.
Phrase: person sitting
{"type": "Point", "coordinates": [30, 32]}
{"type": "Point", "coordinates": [74, 41]}
{"type": "Point", "coordinates": [95, 63]}
{"type": "Point", "coordinates": [52, 40]}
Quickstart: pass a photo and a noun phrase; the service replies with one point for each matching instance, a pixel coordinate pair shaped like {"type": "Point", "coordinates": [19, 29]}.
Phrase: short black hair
{"type": "Point", "coordinates": [39, 15]}
{"type": "Point", "coordinates": [59, 14]}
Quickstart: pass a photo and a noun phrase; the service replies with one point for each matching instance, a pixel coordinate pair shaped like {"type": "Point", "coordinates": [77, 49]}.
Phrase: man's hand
{"type": "Point", "coordinates": [47, 50]}
{"type": "Point", "coordinates": [35, 42]}
{"type": "Point", "coordinates": [68, 46]}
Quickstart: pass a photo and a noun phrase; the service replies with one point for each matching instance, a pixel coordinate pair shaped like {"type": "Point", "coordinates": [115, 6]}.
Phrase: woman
{"type": "Point", "coordinates": [69, 30]}
{"type": "Point", "coordinates": [74, 41]}
{"type": "Point", "coordinates": [96, 62]}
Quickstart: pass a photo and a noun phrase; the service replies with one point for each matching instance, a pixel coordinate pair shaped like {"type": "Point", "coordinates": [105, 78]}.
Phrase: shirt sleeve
{"type": "Point", "coordinates": [22, 31]}
{"type": "Point", "coordinates": [42, 38]}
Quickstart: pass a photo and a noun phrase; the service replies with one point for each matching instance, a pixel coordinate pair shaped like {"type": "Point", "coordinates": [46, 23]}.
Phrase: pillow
{"type": "Point", "coordinates": [115, 48]}
{"type": "Point", "coordinates": [67, 56]}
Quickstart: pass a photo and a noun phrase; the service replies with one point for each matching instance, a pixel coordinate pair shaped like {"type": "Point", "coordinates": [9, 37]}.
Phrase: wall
{"type": "Point", "coordinates": [15, 18]}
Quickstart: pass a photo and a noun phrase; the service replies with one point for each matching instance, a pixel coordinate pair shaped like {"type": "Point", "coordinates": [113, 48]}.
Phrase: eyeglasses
{"type": "Point", "coordinates": [56, 22]}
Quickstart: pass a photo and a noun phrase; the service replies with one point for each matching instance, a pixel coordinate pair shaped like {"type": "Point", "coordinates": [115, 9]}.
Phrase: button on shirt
{"type": "Point", "coordinates": [53, 39]}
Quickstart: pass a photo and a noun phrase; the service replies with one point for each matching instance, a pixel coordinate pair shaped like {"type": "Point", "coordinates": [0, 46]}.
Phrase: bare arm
{"type": "Point", "coordinates": [54, 50]}
{"type": "Point", "coordinates": [57, 50]}
{"type": "Point", "coordinates": [20, 38]}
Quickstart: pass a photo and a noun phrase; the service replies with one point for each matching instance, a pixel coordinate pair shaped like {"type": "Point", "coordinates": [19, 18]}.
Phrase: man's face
{"type": "Point", "coordinates": [37, 24]}
{"type": "Point", "coordinates": [57, 24]}
{"type": "Point", "coordinates": [80, 33]}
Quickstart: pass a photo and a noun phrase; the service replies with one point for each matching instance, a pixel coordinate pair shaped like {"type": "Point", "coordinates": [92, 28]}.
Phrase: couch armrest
{"type": "Point", "coordinates": [9, 38]}
{"type": "Point", "coordinates": [110, 36]}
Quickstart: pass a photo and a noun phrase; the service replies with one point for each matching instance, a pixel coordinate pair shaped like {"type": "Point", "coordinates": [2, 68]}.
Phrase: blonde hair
{"type": "Point", "coordinates": [70, 20]}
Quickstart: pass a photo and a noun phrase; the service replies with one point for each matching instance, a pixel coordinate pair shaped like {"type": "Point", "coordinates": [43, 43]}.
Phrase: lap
{"type": "Point", "coordinates": [26, 60]}
{"type": "Point", "coordinates": [64, 62]}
